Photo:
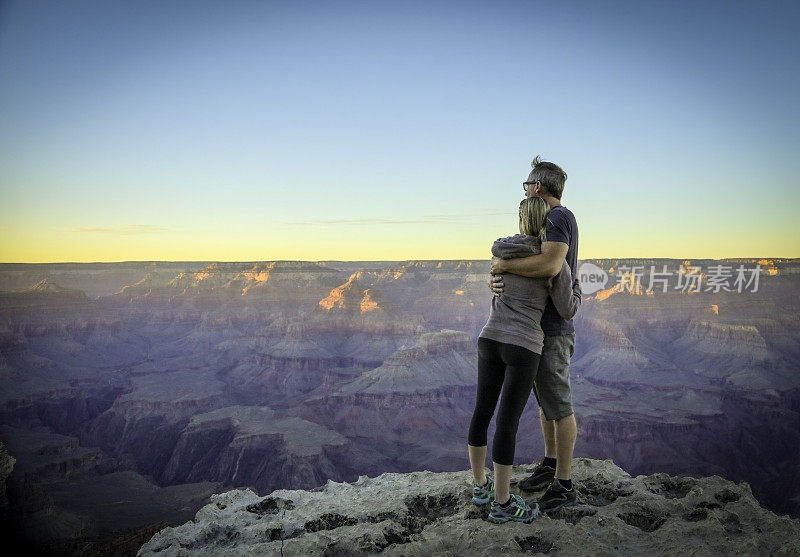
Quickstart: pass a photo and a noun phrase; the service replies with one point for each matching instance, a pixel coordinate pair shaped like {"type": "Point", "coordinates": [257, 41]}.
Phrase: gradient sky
{"type": "Point", "coordinates": [244, 131]}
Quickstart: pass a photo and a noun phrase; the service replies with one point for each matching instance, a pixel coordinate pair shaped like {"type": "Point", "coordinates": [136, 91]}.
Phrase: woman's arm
{"type": "Point", "coordinates": [566, 296]}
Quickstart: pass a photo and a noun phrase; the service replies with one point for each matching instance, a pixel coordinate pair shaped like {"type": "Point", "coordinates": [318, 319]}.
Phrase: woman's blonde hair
{"type": "Point", "coordinates": [533, 217]}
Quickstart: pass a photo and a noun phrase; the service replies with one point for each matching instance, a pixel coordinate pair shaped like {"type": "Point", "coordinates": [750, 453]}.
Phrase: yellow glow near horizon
{"type": "Point", "coordinates": [366, 243]}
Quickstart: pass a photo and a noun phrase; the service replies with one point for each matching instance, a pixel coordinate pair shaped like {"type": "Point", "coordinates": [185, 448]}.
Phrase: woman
{"type": "Point", "coordinates": [509, 347]}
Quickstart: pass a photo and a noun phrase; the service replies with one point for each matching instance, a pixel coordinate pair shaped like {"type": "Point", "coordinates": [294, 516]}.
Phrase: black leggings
{"type": "Point", "coordinates": [512, 368]}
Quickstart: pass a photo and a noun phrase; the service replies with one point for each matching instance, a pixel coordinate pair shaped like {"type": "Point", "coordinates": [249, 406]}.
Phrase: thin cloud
{"type": "Point", "coordinates": [124, 229]}
{"type": "Point", "coordinates": [423, 219]}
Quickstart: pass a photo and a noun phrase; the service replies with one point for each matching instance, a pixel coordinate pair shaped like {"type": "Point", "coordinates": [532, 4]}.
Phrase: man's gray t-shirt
{"type": "Point", "coordinates": [561, 227]}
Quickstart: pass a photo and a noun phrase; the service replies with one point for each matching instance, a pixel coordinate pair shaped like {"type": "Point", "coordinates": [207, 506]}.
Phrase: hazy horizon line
{"type": "Point", "coordinates": [787, 259]}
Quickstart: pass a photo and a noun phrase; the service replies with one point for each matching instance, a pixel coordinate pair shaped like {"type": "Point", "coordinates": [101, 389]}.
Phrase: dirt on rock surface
{"type": "Point", "coordinates": [428, 513]}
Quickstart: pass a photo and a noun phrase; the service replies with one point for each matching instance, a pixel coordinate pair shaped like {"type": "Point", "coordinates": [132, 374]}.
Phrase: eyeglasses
{"type": "Point", "coordinates": [526, 184]}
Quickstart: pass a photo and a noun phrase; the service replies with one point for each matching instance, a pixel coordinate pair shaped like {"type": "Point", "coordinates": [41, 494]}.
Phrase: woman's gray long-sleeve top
{"type": "Point", "coordinates": [516, 313]}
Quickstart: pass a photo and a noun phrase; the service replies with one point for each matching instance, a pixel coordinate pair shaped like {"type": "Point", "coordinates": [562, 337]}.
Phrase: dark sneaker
{"type": "Point", "coordinates": [481, 494]}
{"type": "Point", "coordinates": [557, 496]}
{"type": "Point", "coordinates": [541, 478]}
{"type": "Point", "coordinates": [518, 511]}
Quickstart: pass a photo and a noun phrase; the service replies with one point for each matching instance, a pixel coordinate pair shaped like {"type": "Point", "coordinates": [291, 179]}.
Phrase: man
{"type": "Point", "coordinates": [551, 386]}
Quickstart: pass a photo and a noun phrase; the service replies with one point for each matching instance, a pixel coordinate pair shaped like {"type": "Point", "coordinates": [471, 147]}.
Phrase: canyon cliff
{"type": "Point", "coordinates": [176, 379]}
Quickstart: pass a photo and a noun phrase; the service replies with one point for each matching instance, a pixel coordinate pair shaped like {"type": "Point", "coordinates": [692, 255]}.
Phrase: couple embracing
{"type": "Point", "coordinates": [526, 345]}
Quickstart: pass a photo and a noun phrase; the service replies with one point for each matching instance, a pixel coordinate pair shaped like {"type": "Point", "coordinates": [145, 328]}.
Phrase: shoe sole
{"type": "Point", "coordinates": [504, 519]}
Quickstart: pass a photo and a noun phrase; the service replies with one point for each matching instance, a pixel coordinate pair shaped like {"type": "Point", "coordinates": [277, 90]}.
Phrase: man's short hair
{"type": "Point", "coordinates": [550, 175]}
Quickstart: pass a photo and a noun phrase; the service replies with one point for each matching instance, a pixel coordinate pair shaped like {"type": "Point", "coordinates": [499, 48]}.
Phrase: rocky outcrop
{"type": "Point", "coordinates": [436, 360]}
{"type": "Point", "coordinates": [45, 292]}
{"type": "Point", "coordinates": [252, 446]}
{"type": "Point", "coordinates": [611, 355]}
{"type": "Point", "coordinates": [146, 420]}
{"type": "Point", "coordinates": [426, 513]}
{"type": "Point", "coordinates": [445, 294]}
{"type": "Point", "coordinates": [733, 353]}
{"type": "Point", "coordinates": [149, 286]}
{"type": "Point", "coordinates": [351, 330]}
{"type": "Point", "coordinates": [730, 339]}
{"type": "Point", "coordinates": [353, 298]}
{"type": "Point", "coordinates": [95, 279]}
{"type": "Point", "coordinates": [354, 307]}
{"type": "Point", "coordinates": [414, 408]}
{"type": "Point", "coordinates": [60, 493]}
{"type": "Point", "coordinates": [43, 455]}
{"type": "Point", "coordinates": [293, 282]}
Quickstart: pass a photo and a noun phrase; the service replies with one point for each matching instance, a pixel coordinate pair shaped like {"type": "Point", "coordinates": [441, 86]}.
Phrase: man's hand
{"type": "Point", "coordinates": [496, 284]}
{"type": "Point", "coordinates": [497, 266]}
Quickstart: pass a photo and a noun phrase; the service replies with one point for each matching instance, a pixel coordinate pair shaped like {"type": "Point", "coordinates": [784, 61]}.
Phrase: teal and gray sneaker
{"type": "Point", "coordinates": [481, 494]}
{"type": "Point", "coordinates": [518, 510]}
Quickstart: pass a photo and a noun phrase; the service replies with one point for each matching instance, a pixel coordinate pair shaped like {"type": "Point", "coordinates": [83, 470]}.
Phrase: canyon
{"type": "Point", "coordinates": [131, 392]}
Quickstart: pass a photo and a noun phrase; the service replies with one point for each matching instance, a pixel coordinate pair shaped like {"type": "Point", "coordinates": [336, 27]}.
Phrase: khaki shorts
{"type": "Point", "coordinates": [551, 386]}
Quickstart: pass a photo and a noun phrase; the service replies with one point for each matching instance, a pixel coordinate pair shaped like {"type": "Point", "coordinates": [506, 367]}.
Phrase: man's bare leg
{"type": "Point", "coordinates": [549, 432]}
{"type": "Point", "coordinates": [566, 431]}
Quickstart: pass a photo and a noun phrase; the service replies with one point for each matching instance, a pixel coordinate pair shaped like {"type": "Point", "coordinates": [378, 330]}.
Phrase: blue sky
{"type": "Point", "coordinates": [383, 130]}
